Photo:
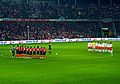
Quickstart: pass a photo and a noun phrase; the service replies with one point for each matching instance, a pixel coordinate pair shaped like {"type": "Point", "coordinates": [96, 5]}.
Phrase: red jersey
{"type": "Point", "coordinates": [24, 48]}
{"type": "Point", "coordinates": [44, 50]}
{"type": "Point", "coordinates": [37, 49]}
{"type": "Point", "coordinates": [30, 49]}
{"type": "Point", "coordinates": [27, 49]}
{"type": "Point", "coordinates": [34, 49]}
{"type": "Point", "coordinates": [19, 49]}
{"type": "Point", "coordinates": [41, 49]}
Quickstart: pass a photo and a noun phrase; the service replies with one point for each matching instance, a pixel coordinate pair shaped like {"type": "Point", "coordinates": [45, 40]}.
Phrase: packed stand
{"type": "Point", "coordinates": [54, 11]}
{"type": "Point", "coordinates": [48, 30]}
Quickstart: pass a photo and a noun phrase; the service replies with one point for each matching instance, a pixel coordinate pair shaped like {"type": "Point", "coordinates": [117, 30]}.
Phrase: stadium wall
{"type": "Point", "coordinates": [58, 40]}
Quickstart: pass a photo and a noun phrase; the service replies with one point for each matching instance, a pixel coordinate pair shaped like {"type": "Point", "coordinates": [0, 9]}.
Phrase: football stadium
{"type": "Point", "coordinates": [59, 41]}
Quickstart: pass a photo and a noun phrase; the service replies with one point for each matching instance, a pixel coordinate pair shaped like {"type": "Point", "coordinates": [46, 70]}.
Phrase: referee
{"type": "Point", "coordinates": [50, 48]}
{"type": "Point", "coordinates": [13, 51]}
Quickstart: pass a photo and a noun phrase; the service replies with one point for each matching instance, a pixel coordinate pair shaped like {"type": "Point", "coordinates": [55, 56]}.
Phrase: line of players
{"type": "Point", "coordinates": [30, 51]}
{"type": "Point", "coordinates": [100, 47]}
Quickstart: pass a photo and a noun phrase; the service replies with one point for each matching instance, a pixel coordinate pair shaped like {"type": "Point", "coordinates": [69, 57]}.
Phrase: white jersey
{"type": "Point", "coordinates": [110, 45]}
{"type": "Point", "coordinates": [89, 44]}
{"type": "Point", "coordinates": [96, 44]}
{"type": "Point", "coordinates": [105, 44]}
{"type": "Point", "coordinates": [102, 45]}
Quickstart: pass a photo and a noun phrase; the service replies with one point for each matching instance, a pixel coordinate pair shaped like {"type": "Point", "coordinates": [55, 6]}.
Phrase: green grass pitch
{"type": "Point", "coordinates": [72, 65]}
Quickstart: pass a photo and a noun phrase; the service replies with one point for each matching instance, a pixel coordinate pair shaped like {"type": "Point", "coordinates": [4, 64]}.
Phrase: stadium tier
{"type": "Point", "coordinates": [38, 10]}
{"type": "Point", "coordinates": [48, 30]}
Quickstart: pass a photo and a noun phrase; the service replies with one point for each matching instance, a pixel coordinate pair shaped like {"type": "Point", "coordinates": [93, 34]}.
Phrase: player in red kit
{"type": "Point", "coordinates": [37, 53]}
{"type": "Point", "coordinates": [34, 51]}
{"type": "Point", "coordinates": [44, 51]}
{"type": "Point", "coordinates": [25, 50]}
{"type": "Point", "coordinates": [22, 50]}
{"type": "Point", "coordinates": [37, 50]}
{"type": "Point", "coordinates": [30, 51]}
{"type": "Point", "coordinates": [17, 49]}
{"type": "Point", "coordinates": [41, 51]}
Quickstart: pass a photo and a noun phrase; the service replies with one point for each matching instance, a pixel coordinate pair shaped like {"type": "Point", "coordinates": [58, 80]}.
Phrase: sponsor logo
{"type": "Point", "coordinates": [32, 41]}
{"type": "Point", "coordinates": [3, 42]}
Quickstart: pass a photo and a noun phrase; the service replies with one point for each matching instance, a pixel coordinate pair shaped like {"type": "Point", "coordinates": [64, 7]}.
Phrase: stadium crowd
{"type": "Point", "coordinates": [48, 30]}
{"type": "Point", "coordinates": [38, 10]}
{"type": "Point", "coordinates": [51, 30]}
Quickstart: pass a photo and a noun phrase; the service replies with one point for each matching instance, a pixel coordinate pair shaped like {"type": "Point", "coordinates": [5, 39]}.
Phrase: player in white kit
{"type": "Point", "coordinates": [89, 46]}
